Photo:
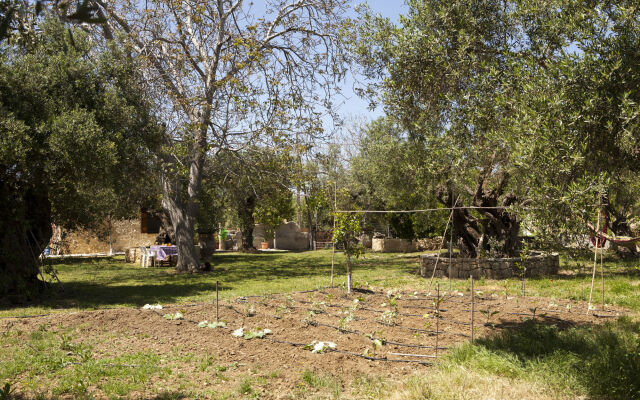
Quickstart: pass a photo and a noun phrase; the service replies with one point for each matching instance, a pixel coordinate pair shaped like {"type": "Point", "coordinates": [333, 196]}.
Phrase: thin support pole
{"type": "Point", "coordinates": [472, 309]}
{"type": "Point", "coordinates": [333, 246]}
{"type": "Point", "coordinates": [602, 273]}
{"type": "Point", "coordinates": [437, 317]}
{"type": "Point", "coordinates": [450, 250]}
{"type": "Point", "coordinates": [217, 301]}
{"type": "Point", "coordinates": [595, 257]}
{"type": "Point", "coordinates": [444, 235]}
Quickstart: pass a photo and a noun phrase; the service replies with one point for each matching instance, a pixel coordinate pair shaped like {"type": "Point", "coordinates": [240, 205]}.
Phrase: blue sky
{"type": "Point", "coordinates": [351, 104]}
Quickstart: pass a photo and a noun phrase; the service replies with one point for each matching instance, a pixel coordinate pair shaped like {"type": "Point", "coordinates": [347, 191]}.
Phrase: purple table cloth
{"type": "Point", "coordinates": [163, 252]}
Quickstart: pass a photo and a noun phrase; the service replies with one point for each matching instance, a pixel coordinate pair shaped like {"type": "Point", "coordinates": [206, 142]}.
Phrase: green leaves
{"type": "Point", "coordinates": [212, 325]}
{"type": "Point", "coordinates": [544, 92]}
{"type": "Point", "coordinates": [251, 334]}
{"type": "Point", "coordinates": [348, 228]}
{"type": "Point", "coordinates": [5, 391]}
{"type": "Point", "coordinates": [319, 347]}
{"type": "Point", "coordinates": [178, 315]}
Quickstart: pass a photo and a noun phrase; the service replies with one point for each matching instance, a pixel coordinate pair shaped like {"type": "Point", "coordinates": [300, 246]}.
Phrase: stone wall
{"type": "Point", "coordinates": [395, 245]}
{"type": "Point", "coordinates": [431, 244]}
{"type": "Point", "coordinates": [288, 237]}
{"type": "Point", "coordinates": [392, 245]}
{"type": "Point", "coordinates": [491, 268]}
{"type": "Point", "coordinates": [124, 234]}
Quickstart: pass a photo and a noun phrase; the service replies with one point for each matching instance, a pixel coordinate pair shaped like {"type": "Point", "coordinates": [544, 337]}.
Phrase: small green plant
{"type": "Point", "coordinates": [5, 391]}
{"type": "Point", "coordinates": [309, 318]}
{"type": "Point", "coordinates": [245, 387]}
{"type": "Point", "coordinates": [343, 323]}
{"type": "Point", "coordinates": [249, 310]}
{"type": "Point", "coordinates": [175, 316]}
{"type": "Point", "coordinates": [489, 313]}
{"type": "Point", "coordinates": [375, 344]}
{"type": "Point", "coordinates": [212, 325]}
{"type": "Point", "coordinates": [345, 233]}
{"type": "Point", "coordinates": [281, 310]}
{"type": "Point", "coordinates": [388, 318]}
{"type": "Point", "coordinates": [329, 298]}
{"type": "Point", "coordinates": [320, 347]}
{"type": "Point", "coordinates": [251, 334]}
{"type": "Point", "coordinates": [319, 307]}
{"type": "Point", "coordinates": [505, 284]}
{"type": "Point", "coordinates": [438, 301]}
{"type": "Point", "coordinates": [349, 315]}
{"type": "Point", "coordinates": [427, 321]}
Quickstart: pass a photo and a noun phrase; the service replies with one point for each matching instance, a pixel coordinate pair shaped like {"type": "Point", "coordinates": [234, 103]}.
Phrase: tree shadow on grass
{"type": "Point", "coordinates": [603, 359]}
{"type": "Point", "coordinates": [100, 283]}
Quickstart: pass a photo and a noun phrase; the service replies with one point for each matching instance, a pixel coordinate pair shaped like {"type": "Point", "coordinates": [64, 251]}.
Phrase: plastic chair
{"type": "Point", "coordinates": [146, 256]}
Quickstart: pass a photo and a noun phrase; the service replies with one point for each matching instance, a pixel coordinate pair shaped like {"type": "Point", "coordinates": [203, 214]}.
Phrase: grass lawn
{"type": "Point", "coordinates": [104, 282]}
{"type": "Point", "coordinates": [532, 361]}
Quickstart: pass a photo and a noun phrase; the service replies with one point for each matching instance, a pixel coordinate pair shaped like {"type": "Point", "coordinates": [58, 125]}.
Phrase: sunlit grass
{"type": "Point", "coordinates": [533, 362]}
{"type": "Point", "coordinates": [100, 283]}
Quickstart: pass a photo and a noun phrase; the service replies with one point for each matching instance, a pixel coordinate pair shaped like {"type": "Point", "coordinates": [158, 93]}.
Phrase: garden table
{"type": "Point", "coordinates": [163, 252]}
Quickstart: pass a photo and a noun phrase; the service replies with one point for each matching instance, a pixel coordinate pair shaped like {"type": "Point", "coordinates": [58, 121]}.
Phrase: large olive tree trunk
{"type": "Point", "coordinates": [25, 230]}
{"type": "Point", "coordinates": [620, 226]}
{"type": "Point", "coordinates": [247, 222]}
{"type": "Point", "coordinates": [495, 231]}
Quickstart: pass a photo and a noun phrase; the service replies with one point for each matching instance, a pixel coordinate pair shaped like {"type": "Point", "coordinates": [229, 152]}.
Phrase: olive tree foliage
{"type": "Point", "coordinates": [76, 142]}
{"type": "Point", "coordinates": [318, 190]}
{"type": "Point", "coordinates": [525, 105]}
{"type": "Point", "coordinates": [228, 74]}
{"type": "Point", "coordinates": [254, 184]}
{"type": "Point", "coordinates": [390, 169]}
{"type": "Point", "coordinates": [17, 17]}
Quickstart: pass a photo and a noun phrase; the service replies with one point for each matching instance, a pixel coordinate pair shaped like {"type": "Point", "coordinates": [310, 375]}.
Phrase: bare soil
{"type": "Point", "coordinates": [407, 323]}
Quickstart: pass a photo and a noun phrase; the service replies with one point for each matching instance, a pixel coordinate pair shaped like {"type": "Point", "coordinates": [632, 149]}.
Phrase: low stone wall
{"type": "Point", "coordinates": [430, 244]}
{"type": "Point", "coordinates": [491, 268]}
{"type": "Point", "coordinates": [124, 234]}
{"type": "Point", "coordinates": [394, 245]}
{"type": "Point", "coordinates": [288, 237]}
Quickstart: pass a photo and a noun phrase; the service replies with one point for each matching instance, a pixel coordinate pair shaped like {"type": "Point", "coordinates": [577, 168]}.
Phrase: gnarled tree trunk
{"type": "Point", "coordinates": [495, 232]}
{"type": "Point", "coordinates": [247, 223]}
{"type": "Point", "coordinates": [620, 227]}
{"type": "Point", "coordinates": [25, 230]}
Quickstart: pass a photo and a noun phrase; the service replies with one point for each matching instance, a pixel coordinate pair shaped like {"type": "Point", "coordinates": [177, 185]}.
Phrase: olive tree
{"type": "Point", "coordinates": [77, 135]}
{"type": "Point", "coordinates": [255, 185]}
{"type": "Point", "coordinates": [524, 108]}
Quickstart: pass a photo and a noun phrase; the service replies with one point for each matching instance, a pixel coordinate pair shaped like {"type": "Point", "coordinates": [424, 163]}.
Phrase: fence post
{"type": "Point", "coordinates": [437, 317]}
{"type": "Point", "coordinates": [217, 320]}
{"type": "Point", "coordinates": [472, 308]}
